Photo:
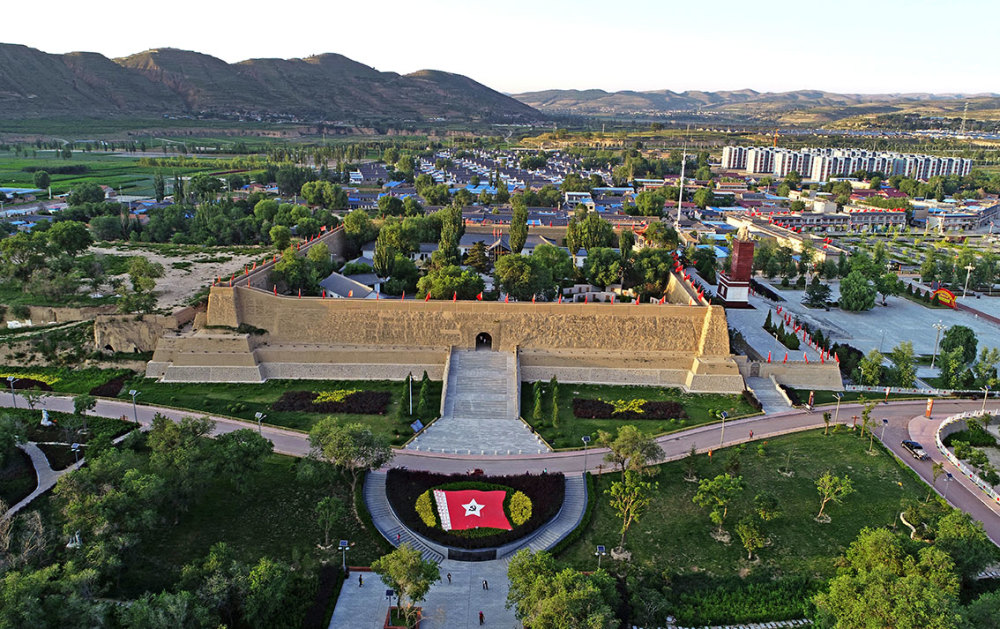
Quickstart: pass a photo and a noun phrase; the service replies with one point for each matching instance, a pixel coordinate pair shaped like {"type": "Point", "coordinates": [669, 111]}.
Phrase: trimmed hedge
{"type": "Point", "coordinates": [705, 600]}
{"type": "Point", "coordinates": [404, 487]}
{"type": "Point", "coordinates": [357, 402]}
{"type": "Point", "coordinates": [585, 408]}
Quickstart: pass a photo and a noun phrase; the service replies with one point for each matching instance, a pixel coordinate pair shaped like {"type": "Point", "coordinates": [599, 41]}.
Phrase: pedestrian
{"type": "Point", "coordinates": [361, 580]}
{"type": "Point", "coordinates": [486, 585]}
{"type": "Point", "coordinates": [482, 619]}
{"type": "Point", "coordinates": [449, 578]}
{"type": "Point", "coordinates": [751, 434]}
{"type": "Point", "coordinates": [397, 538]}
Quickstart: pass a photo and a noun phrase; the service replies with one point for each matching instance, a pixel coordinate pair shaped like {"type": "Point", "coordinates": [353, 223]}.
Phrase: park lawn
{"type": "Point", "coordinates": [64, 379]}
{"type": "Point", "coordinates": [570, 430]}
{"type": "Point", "coordinates": [274, 518]}
{"type": "Point", "coordinates": [17, 477]}
{"type": "Point", "coordinates": [244, 400]}
{"type": "Point", "coordinates": [674, 534]}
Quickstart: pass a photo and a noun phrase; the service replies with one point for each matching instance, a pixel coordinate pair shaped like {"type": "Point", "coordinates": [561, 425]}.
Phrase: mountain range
{"type": "Point", "coordinates": [796, 107]}
{"type": "Point", "coordinates": [167, 81]}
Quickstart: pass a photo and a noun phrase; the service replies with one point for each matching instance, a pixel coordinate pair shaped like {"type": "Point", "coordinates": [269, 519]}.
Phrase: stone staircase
{"type": "Point", "coordinates": [389, 525]}
{"type": "Point", "coordinates": [480, 409]}
{"type": "Point", "coordinates": [568, 518]}
{"type": "Point", "coordinates": [768, 394]}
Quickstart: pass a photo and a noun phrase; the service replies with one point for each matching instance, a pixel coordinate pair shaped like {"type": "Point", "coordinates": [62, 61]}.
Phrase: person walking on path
{"type": "Point", "coordinates": [449, 578]}
{"type": "Point", "coordinates": [361, 581]}
{"type": "Point", "coordinates": [751, 434]}
{"type": "Point", "coordinates": [486, 585]}
{"type": "Point", "coordinates": [482, 619]}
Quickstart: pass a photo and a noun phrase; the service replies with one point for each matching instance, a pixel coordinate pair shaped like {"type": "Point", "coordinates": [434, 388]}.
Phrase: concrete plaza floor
{"type": "Point", "coordinates": [448, 605]}
{"type": "Point", "coordinates": [885, 326]}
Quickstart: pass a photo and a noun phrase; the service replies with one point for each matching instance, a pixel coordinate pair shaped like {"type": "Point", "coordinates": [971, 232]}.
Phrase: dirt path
{"type": "Point", "coordinates": [184, 275]}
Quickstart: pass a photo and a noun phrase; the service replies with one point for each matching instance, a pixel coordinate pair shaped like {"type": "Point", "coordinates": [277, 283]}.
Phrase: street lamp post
{"type": "Point", "coordinates": [586, 441]}
{"type": "Point", "coordinates": [885, 422]}
{"type": "Point", "coordinates": [76, 452]}
{"type": "Point", "coordinates": [135, 412]}
{"type": "Point", "coordinates": [409, 378]}
{"type": "Point", "coordinates": [722, 437]}
{"type": "Point", "coordinates": [343, 547]}
{"type": "Point", "coordinates": [968, 273]}
{"type": "Point", "coordinates": [881, 340]}
{"type": "Point", "coordinates": [986, 392]}
{"type": "Point", "coordinates": [12, 380]}
{"type": "Point", "coordinates": [839, 396]}
{"type": "Point", "coordinates": [260, 418]}
{"type": "Point", "coordinates": [938, 326]}
{"type": "Point", "coordinates": [947, 480]}
{"type": "Point", "coordinates": [601, 551]}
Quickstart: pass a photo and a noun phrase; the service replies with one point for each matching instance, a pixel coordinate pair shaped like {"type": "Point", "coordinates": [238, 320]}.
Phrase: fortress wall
{"type": "Point", "coordinates": [624, 328]}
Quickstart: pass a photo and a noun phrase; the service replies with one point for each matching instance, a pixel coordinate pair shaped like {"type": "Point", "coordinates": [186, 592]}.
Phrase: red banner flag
{"type": "Point", "coordinates": [471, 509]}
{"type": "Point", "coordinates": [769, 357]}
{"type": "Point", "coordinates": [505, 299]}
{"type": "Point", "coordinates": [454, 296]}
{"type": "Point", "coordinates": [275, 289]}
{"type": "Point", "coordinates": [806, 356]}
{"type": "Point", "coordinates": [636, 301]}
{"type": "Point", "coordinates": [663, 300]}
{"type": "Point", "coordinates": [324, 293]}
{"type": "Point", "coordinates": [612, 298]}
{"type": "Point", "coordinates": [560, 298]}
{"type": "Point", "coordinates": [428, 297]}
{"type": "Point", "coordinates": [786, 358]}
{"type": "Point", "coordinates": [532, 299]}
{"type": "Point", "coordinates": [300, 293]}
{"type": "Point", "coordinates": [586, 298]}
{"type": "Point", "coordinates": [479, 297]}
{"type": "Point", "coordinates": [350, 293]}
{"type": "Point", "coordinates": [403, 296]}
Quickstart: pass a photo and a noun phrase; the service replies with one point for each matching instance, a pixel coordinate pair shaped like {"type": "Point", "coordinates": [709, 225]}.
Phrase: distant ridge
{"type": "Point", "coordinates": [802, 105]}
{"type": "Point", "coordinates": [168, 81]}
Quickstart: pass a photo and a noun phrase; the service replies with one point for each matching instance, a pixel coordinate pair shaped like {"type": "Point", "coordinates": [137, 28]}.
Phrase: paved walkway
{"type": "Point", "coordinates": [480, 409]}
{"type": "Point", "coordinates": [47, 476]}
{"type": "Point", "coordinates": [768, 395]}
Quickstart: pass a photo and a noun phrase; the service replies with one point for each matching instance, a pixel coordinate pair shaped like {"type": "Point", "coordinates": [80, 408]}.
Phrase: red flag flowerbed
{"type": "Point", "coordinates": [585, 408]}
{"type": "Point", "coordinates": [456, 499]}
{"type": "Point", "coordinates": [356, 402]}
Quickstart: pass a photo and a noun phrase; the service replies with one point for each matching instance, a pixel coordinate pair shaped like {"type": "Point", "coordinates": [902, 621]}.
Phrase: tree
{"type": "Point", "coordinates": [390, 206]}
{"type": "Point", "coordinates": [966, 543]}
{"type": "Point", "coordinates": [883, 585]}
{"type": "Point", "coordinates": [329, 512]}
{"type": "Point", "coordinates": [960, 336]}
{"type": "Point", "coordinates": [181, 455]}
{"type": "Point", "coordinates": [870, 368]}
{"type": "Point", "coordinates": [408, 574]}
{"type": "Point", "coordinates": [832, 488]}
{"type": "Point", "coordinates": [518, 228]}
{"type": "Point", "coordinates": [544, 596]}
{"type": "Point", "coordinates": [359, 228]}
{"type": "Point", "coordinates": [602, 267]}
{"type": "Point", "coordinates": [716, 494]}
{"type": "Point", "coordinates": [904, 370]}
{"type": "Point", "coordinates": [630, 449]}
{"type": "Point", "coordinates": [523, 277]}
{"type": "Point", "coordinates": [424, 397]}
{"type": "Point", "coordinates": [69, 237]}
{"type": "Point", "coordinates": [83, 404]}
{"type": "Point", "coordinates": [165, 610]}
{"type": "Point", "coordinates": [86, 192]}
{"type": "Point", "coordinates": [240, 454]}
{"type": "Point", "coordinates": [766, 505]}
{"type": "Point", "coordinates": [650, 203]}
{"type": "Point", "coordinates": [106, 227]}
{"type": "Point", "coordinates": [856, 293]}
{"type": "Point", "coordinates": [629, 498]}
{"type": "Point", "coordinates": [751, 535]}
{"type": "Point", "coordinates": [817, 294]}
{"type": "Point", "coordinates": [450, 281]}
{"type": "Point", "coordinates": [159, 187]}
{"type": "Point", "coordinates": [277, 595]}
{"type": "Point", "coordinates": [281, 237]}
{"type": "Point", "coordinates": [887, 285]}
{"type": "Point", "coordinates": [10, 436]}
{"type": "Point", "coordinates": [42, 179]}
{"type": "Point", "coordinates": [385, 256]}
{"type": "Point", "coordinates": [352, 447]}
{"type": "Point", "coordinates": [477, 258]}
{"type": "Point", "coordinates": [703, 197]}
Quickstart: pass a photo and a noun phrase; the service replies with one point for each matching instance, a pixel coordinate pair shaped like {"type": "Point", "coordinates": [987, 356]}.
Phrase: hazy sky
{"type": "Point", "coordinates": [525, 45]}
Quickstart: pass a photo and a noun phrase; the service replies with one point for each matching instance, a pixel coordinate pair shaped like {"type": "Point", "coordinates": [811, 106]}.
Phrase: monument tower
{"type": "Point", "coordinates": [734, 287]}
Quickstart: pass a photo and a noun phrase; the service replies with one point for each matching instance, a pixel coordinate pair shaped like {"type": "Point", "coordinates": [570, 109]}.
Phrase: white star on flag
{"type": "Point", "coordinates": [473, 508]}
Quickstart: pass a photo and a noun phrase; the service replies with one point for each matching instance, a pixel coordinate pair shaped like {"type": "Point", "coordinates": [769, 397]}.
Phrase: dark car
{"type": "Point", "coordinates": [914, 448]}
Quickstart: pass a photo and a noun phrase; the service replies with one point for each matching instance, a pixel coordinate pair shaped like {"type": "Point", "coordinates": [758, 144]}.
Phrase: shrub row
{"type": "Point", "coordinates": [404, 487]}
{"type": "Point", "coordinates": [360, 403]}
{"type": "Point", "coordinates": [586, 408]}
{"type": "Point", "coordinates": [701, 600]}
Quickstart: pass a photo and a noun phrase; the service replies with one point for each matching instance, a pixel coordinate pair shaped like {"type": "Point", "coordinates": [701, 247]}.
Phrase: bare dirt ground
{"type": "Point", "coordinates": [184, 275]}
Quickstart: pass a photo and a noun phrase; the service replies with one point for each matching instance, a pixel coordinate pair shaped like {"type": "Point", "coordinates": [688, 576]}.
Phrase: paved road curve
{"type": "Point", "coordinates": [905, 421]}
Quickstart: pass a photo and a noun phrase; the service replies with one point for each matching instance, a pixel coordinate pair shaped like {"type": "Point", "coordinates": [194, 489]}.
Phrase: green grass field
{"type": "Point", "coordinates": [571, 429]}
{"type": "Point", "coordinates": [244, 400]}
{"type": "Point", "coordinates": [674, 534]}
{"type": "Point", "coordinates": [65, 379]}
{"type": "Point", "coordinates": [827, 397]}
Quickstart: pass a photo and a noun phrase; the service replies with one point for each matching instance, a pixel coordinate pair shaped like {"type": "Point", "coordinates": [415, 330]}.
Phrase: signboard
{"type": "Point", "coordinates": [944, 296]}
{"type": "Point", "coordinates": [417, 426]}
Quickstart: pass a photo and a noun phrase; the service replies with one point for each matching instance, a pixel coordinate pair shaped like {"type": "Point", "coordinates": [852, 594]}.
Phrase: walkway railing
{"type": "Point", "coordinates": [985, 487]}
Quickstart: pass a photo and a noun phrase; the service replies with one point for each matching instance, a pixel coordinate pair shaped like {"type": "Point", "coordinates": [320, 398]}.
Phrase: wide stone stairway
{"type": "Point", "coordinates": [480, 409]}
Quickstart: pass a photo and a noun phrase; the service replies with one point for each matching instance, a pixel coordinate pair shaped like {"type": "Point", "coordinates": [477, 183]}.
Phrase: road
{"type": "Point", "coordinates": [905, 420]}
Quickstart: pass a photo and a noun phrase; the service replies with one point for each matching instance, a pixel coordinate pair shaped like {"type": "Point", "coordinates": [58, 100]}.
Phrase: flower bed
{"type": "Point", "coordinates": [531, 500]}
{"type": "Point", "coordinates": [26, 382]}
{"type": "Point", "coordinates": [342, 401]}
{"type": "Point", "coordinates": [626, 409]}
{"type": "Point", "coordinates": [111, 388]}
